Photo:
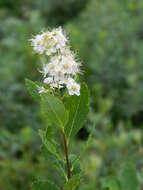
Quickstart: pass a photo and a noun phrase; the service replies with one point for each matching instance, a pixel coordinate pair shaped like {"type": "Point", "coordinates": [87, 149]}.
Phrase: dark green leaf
{"type": "Point", "coordinates": [54, 161]}
{"type": "Point", "coordinates": [75, 168]}
{"type": "Point", "coordinates": [51, 147]}
{"type": "Point", "coordinates": [84, 147]}
{"type": "Point", "coordinates": [128, 177]}
{"type": "Point", "coordinates": [50, 150]}
{"type": "Point", "coordinates": [32, 88]}
{"type": "Point", "coordinates": [73, 183]}
{"type": "Point", "coordinates": [54, 110]}
{"type": "Point", "coordinates": [78, 107]}
{"type": "Point", "coordinates": [111, 183]}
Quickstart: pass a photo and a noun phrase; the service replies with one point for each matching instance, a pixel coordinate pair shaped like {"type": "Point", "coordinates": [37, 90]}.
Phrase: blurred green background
{"type": "Point", "coordinates": [108, 38]}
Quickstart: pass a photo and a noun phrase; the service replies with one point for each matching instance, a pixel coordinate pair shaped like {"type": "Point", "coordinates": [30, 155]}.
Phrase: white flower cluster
{"type": "Point", "coordinates": [62, 67]}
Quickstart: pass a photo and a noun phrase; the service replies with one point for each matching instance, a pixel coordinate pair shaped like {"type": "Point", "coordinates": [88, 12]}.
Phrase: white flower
{"type": "Point", "coordinates": [48, 80]}
{"type": "Point", "coordinates": [49, 69]}
{"type": "Point", "coordinates": [69, 81]}
{"type": "Point", "coordinates": [75, 68]}
{"type": "Point", "coordinates": [53, 82]}
{"type": "Point", "coordinates": [73, 87]}
{"type": "Point", "coordinates": [41, 90]}
{"type": "Point", "coordinates": [37, 44]}
{"type": "Point", "coordinates": [59, 74]}
{"type": "Point", "coordinates": [52, 66]}
{"type": "Point", "coordinates": [69, 63]}
{"type": "Point", "coordinates": [50, 51]}
{"type": "Point", "coordinates": [66, 65]}
{"type": "Point", "coordinates": [59, 77]}
{"type": "Point", "coordinates": [45, 70]}
{"type": "Point", "coordinates": [55, 59]}
{"type": "Point", "coordinates": [59, 38]}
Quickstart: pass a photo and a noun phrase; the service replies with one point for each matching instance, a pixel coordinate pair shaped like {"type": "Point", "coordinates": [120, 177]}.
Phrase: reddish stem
{"type": "Point", "coordinates": [67, 157]}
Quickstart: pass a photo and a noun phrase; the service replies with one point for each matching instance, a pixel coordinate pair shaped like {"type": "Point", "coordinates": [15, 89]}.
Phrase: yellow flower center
{"type": "Point", "coordinates": [59, 73]}
{"type": "Point", "coordinates": [38, 43]}
{"type": "Point", "coordinates": [66, 66]}
{"type": "Point", "coordinates": [52, 66]}
{"type": "Point", "coordinates": [74, 88]}
{"type": "Point", "coordinates": [46, 37]}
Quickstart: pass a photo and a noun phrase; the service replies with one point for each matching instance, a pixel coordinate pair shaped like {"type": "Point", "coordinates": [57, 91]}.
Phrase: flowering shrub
{"type": "Point", "coordinates": [64, 104]}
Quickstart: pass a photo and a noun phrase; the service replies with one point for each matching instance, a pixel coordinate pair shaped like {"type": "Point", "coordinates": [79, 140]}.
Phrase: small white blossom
{"type": "Point", "coordinates": [59, 74]}
{"type": "Point", "coordinates": [45, 70]}
{"type": "Point", "coordinates": [49, 69]}
{"type": "Point", "coordinates": [48, 80]}
{"type": "Point", "coordinates": [42, 90]}
{"type": "Point", "coordinates": [66, 65]}
{"type": "Point", "coordinates": [75, 68]}
{"type": "Point", "coordinates": [59, 38]}
{"type": "Point", "coordinates": [52, 68]}
{"type": "Point", "coordinates": [73, 87]}
{"type": "Point", "coordinates": [37, 44]}
{"type": "Point", "coordinates": [55, 59]}
{"type": "Point", "coordinates": [69, 81]}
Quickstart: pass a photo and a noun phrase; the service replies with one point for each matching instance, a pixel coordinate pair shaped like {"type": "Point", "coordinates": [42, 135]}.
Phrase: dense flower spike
{"type": "Point", "coordinates": [62, 66]}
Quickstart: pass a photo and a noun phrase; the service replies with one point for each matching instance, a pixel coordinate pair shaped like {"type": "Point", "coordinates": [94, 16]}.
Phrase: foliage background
{"type": "Point", "coordinates": [108, 38]}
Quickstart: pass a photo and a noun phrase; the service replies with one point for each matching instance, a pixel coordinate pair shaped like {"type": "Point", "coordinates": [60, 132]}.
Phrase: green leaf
{"type": "Point", "coordinates": [54, 110]}
{"type": "Point", "coordinates": [55, 162]}
{"type": "Point", "coordinates": [78, 107]}
{"type": "Point", "coordinates": [84, 147]}
{"type": "Point", "coordinates": [50, 150]}
{"type": "Point", "coordinates": [73, 183]}
{"type": "Point", "coordinates": [49, 133]}
{"type": "Point", "coordinates": [128, 178]}
{"type": "Point", "coordinates": [111, 183]}
{"type": "Point", "coordinates": [51, 147]}
{"type": "Point", "coordinates": [44, 185]}
{"type": "Point", "coordinates": [32, 88]}
{"type": "Point", "coordinates": [76, 169]}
